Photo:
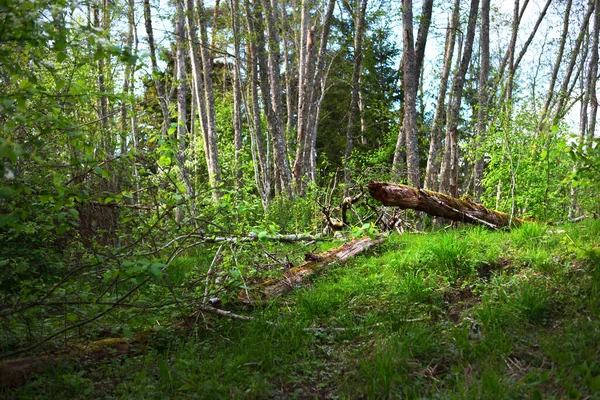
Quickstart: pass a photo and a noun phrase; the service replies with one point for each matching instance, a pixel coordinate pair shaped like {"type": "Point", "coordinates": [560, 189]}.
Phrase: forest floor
{"type": "Point", "coordinates": [467, 313]}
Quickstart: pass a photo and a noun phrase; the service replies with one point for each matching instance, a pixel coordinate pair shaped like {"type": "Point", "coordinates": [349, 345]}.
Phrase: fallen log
{"type": "Point", "coordinates": [295, 276]}
{"type": "Point", "coordinates": [439, 205]}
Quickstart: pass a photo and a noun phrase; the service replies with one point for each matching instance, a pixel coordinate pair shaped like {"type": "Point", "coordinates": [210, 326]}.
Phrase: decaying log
{"type": "Point", "coordinates": [314, 262]}
{"type": "Point", "coordinates": [439, 205]}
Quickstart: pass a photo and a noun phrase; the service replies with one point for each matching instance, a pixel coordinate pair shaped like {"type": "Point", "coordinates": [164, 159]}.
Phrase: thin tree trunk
{"type": "Point", "coordinates": [593, 73]}
{"type": "Point", "coordinates": [214, 169]}
{"type": "Point", "coordinates": [126, 77]}
{"type": "Point", "coordinates": [305, 87]}
{"type": "Point", "coordinates": [424, 24]}
{"type": "Point", "coordinates": [451, 173]}
{"type": "Point", "coordinates": [282, 167]}
{"type": "Point", "coordinates": [263, 175]}
{"type": "Point", "coordinates": [560, 110]}
{"type": "Point", "coordinates": [237, 95]}
{"type": "Point", "coordinates": [319, 80]}
{"type": "Point", "coordinates": [435, 143]}
{"type": "Point", "coordinates": [410, 95]}
{"type": "Point", "coordinates": [158, 84]}
{"type": "Point", "coordinates": [361, 8]}
{"type": "Point", "coordinates": [556, 69]}
{"type": "Point", "coordinates": [482, 112]}
{"type": "Point", "coordinates": [182, 106]}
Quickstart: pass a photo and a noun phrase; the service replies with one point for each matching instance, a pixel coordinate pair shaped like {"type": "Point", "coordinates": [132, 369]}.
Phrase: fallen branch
{"type": "Point", "coordinates": [439, 205]}
{"type": "Point", "coordinates": [314, 262]}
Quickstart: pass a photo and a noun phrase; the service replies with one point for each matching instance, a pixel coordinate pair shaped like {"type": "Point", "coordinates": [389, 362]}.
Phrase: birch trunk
{"type": "Point", "coordinates": [158, 84]}
{"type": "Point", "coordinates": [182, 107]}
{"type": "Point", "coordinates": [482, 112]}
{"type": "Point", "coordinates": [214, 169]}
{"type": "Point", "coordinates": [410, 95]}
{"type": "Point", "coordinates": [560, 108]}
{"type": "Point", "coordinates": [237, 95]}
{"type": "Point", "coordinates": [283, 172]}
{"type": "Point", "coordinates": [435, 142]}
{"type": "Point", "coordinates": [451, 173]}
{"type": "Point", "coordinates": [361, 7]}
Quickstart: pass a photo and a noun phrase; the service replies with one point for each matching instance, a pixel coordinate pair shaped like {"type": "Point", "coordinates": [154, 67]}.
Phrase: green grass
{"type": "Point", "coordinates": [462, 314]}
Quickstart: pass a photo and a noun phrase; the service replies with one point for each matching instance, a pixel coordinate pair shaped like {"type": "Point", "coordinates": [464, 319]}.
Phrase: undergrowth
{"type": "Point", "coordinates": [467, 313]}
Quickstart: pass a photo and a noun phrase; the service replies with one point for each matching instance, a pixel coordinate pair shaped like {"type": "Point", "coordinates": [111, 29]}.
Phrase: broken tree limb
{"type": "Point", "coordinates": [314, 262]}
{"type": "Point", "coordinates": [439, 205]}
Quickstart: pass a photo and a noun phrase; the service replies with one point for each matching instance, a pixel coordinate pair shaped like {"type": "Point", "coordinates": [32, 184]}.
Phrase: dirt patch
{"type": "Point", "coordinates": [459, 300]}
{"type": "Point", "coordinates": [485, 271]}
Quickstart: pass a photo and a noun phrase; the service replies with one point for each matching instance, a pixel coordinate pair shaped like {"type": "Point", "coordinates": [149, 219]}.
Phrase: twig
{"type": "Point", "coordinates": [208, 276]}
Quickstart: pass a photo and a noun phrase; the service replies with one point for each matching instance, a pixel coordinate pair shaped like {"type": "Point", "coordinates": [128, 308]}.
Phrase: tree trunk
{"type": "Point", "coordinates": [182, 106]}
{"type": "Point", "coordinates": [482, 112]}
{"type": "Point", "coordinates": [593, 73]}
{"type": "Point", "coordinates": [563, 95]}
{"type": "Point", "coordinates": [214, 169]}
{"type": "Point", "coordinates": [158, 83]}
{"type": "Point", "coordinates": [424, 24]}
{"type": "Point", "coordinates": [316, 99]}
{"type": "Point", "coordinates": [438, 205]}
{"type": "Point", "coordinates": [561, 49]}
{"type": "Point", "coordinates": [295, 276]}
{"type": "Point", "coordinates": [410, 95]}
{"type": "Point", "coordinates": [282, 167]}
{"type": "Point", "coordinates": [435, 143]}
{"type": "Point", "coordinates": [260, 144]}
{"type": "Point", "coordinates": [237, 96]}
{"type": "Point", "coordinates": [305, 88]}
{"type": "Point", "coordinates": [451, 173]}
{"type": "Point", "coordinates": [359, 20]}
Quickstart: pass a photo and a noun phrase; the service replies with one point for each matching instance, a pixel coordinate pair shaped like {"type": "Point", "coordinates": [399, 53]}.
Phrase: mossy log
{"type": "Point", "coordinates": [439, 205]}
{"type": "Point", "coordinates": [295, 276]}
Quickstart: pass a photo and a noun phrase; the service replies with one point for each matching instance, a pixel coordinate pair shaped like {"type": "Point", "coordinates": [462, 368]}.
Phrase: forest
{"type": "Point", "coordinates": [299, 199]}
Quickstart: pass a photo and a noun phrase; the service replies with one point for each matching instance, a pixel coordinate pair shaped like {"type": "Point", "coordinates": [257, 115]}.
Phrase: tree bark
{"type": "Point", "coordinates": [214, 169]}
{"type": "Point", "coordinates": [359, 20]}
{"type": "Point", "coordinates": [410, 95]}
{"type": "Point", "coordinates": [158, 83]}
{"type": "Point", "coordinates": [482, 112]}
{"type": "Point", "coordinates": [237, 95]}
{"type": "Point", "coordinates": [295, 276]}
{"type": "Point", "coordinates": [560, 108]}
{"type": "Point", "coordinates": [259, 144]}
{"type": "Point", "coordinates": [435, 142]}
{"type": "Point", "coordinates": [282, 167]}
{"type": "Point", "coordinates": [439, 205]}
{"type": "Point", "coordinates": [449, 180]}
{"type": "Point", "coordinates": [561, 49]}
{"type": "Point", "coordinates": [182, 120]}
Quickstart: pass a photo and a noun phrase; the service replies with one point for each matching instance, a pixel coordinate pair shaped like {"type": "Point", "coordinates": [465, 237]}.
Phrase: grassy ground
{"type": "Point", "coordinates": [461, 314]}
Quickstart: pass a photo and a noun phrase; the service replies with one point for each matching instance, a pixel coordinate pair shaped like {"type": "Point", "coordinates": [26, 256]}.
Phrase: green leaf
{"type": "Point", "coordinates": [155, 271]}
{"type": "Point", "coordinates": [127, 332]}
{"type": "Point", "coordinates": [263, 236]}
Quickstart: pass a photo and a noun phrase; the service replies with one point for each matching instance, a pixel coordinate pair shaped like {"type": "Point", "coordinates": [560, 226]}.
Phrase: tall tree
{"type": "Point", "coordinates": [410, 95]}
{"type": "Point", "coordinates": [182, 92]}
{"type": "Point", "coordinates": [308, 100]}
{"type": "Point", "coordinates": [435, 141]}
{"type": "Point", "coordinates": [359, 21]}
{"type": "Point", "coordinates": [282, 168]}
{"type": "Point", "coordinates": [449, 175]}
{"type": "Point", "coordinates": [482, 112]}
{"type": "Point", "coordinates": [214, 169]}
{"type": "Point", "coordinates": [237, 93]}
{"type": "Point", "coordinates": [416, 53]}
